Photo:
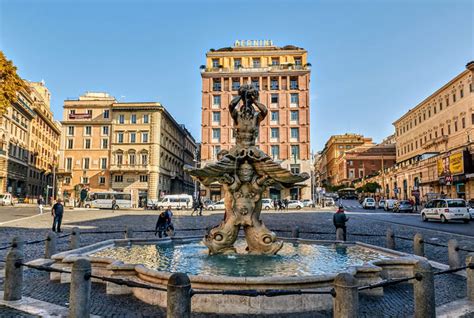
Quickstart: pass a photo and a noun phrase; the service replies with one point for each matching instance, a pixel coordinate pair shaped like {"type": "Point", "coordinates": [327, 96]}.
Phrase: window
{"type": "Point", "coordinates": [118, 178]}
{"type": "Point", "coordinates": [144, 159]}
{"type": "Point", "coordinates": [455, 126]}
{"type": "Point", "coordinates": [89, 111]}
{"type": "Point", "coordinates": [447, 101]}
{"type": "Point", "coordinates": [119, 159]}
{"type": "Point", "coordinates": [256, 83]}
{"type": "Point", "coordinates": [294, 115]}
{"type": "Point", "coordinates": [295, 151]}
{"type": "Point", "coordinates": [294, 99]}
{"type": "Point", "coordinates": [274, 116]}
{"type": "Point", "coordinates": [361, 173]}
{"type": "Point", "coordinates": [295, 134]}
{"type": "Point", "coordinates": [87, 144]}
{"type": "Point", "coordinates": [440, 106]}
{"type": "Point", "coordinates": [298, 61]}
{"type": "Point", "coordinates": [86, 163]}
{"type": "Point", "coordinates": [274, 84]}
{"type": "Point", "coordinates": [105, 143]}
{"type": "Point", "coordinates": [215, 62]}
{"type": "Point", "coordinates": [275, 61]}
{"type": "Point", "coordinates": [216, 134]}
{"type": "Point", "coordinates": [461, 93]}
{"type": "Point", "coordinates": [434, 109]}
{"type": "Point", "coordinates": [275, 151]}
{"type": "Point", "coordinates": [72, 111]}
{"type": "Point", "coordinates": [216, 117]}
{"type": "Point", "coordinates": [121, 119]}
{"type": "Point", "coordinates": [132, 159]}
{"type": "Point", "coordinates": [256, 62]}
{"type": "Point", "coordinates": [106, 114]}
{"type": "Point", "coordinates": [274, 98]}
{"type": "Point", "coordinates": [295, 168]}
{"type": "Point", "coordinates": [144, 137]}
{"type": "Point", "coordinates": [351, 163]}
{"type": "Point", "coordinates": [70, 143]}
{"type": "Point", "coordinates": [472, 118]}
{"type": "Point", "coordinates": [351, 173]}
{"type": "Point", "coordinates": [105, 130]}
{"type": "Point", "coordinates": [133, 119]}
{"type": "Point", "coordinates": [235, 84]}
{"type": "Point", "coordinates": [101, 180]}
{"type": "Point", "coordinates": [120, 137]}
{"type": "Point", "coordinates": [143, 178]}
{"type": "Point", "coordinates": [274, 133]}
{"type": "Point", "coordinates": [454, 97]}
{"type": "Point", "coordinates": [216, 150]}
{"type": "Point", "coordinates": [463, 122]}
{"type": "Point", "coordinates": [442, 133]}
{"type": "Point", "coordinates": [70, 130]}
{"type": "Point", "coordinates": [133, 137]}
{"type": "Point", "coordinates": [237, 63]}
{"type": "Point", "coordinates": [449, 129]}
{"type": "Point", "coordinates": [146, 118]}
{"type": "Point", "coordinates": [88, 130]}
{"type": "Point", "coordinates": [68, 164]}
{"type": "Point", "coordinates": [216, 100]}
{"type": "Point", "coordinates": [85, 180]}
{"type": "Point", "coordinates": [103, 163]}
{"type": "Point", "coordinates": [293, 83]}
{"type": "Point", "coordinates": [216, 85]}
{"type": "Point", "coordinates": [67, 180]}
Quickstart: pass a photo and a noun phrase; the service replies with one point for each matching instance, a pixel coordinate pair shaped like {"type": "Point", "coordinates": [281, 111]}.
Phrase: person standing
{"type": "Point", "coordinates": [201, 206]}
{"type": "Point", "coordinates": [339, 219]}
{"type": "Point", "coordinates": [114, 203]}
{"type": "Point", "coordinates": [40, 204]}
{"type": "Point", "coordinates": [57, 213]}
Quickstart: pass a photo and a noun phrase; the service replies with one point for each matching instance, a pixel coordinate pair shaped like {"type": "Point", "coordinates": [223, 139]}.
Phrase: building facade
{"type": "Point", "coordinates": [14, 145]}
{"type": "Point", "coordinates": [327, 166]}
{"type": "Point", "coordinates": [282, 76]}
{"type": "Point", "coordinates": [435, 144]}
{"type": "Point", "coordinates": [136, 148]}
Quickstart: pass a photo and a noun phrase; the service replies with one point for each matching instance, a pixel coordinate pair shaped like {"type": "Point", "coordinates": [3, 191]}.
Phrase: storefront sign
{"type": "Point", "coordinates": [253, 43]}
{"type": "Point", "coordinates": [80, 116]}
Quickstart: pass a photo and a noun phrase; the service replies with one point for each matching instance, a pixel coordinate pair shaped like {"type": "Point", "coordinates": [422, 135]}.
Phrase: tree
{"type": "Point", "coordinates": [10, 83]}
{"type": "Point", "coordinates": [371, 187]}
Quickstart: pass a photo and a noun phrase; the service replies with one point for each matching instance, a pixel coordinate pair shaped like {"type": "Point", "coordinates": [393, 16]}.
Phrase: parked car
{"type": "Point", "coordinates": [368, 203]}
{"type": "Point", "coordinates": [152, 204]}
{"type": "Point", "coordinates": [328, 201]}
{"type": "Point", "coordinates": [6, 199]}
{"type": "Point", "coordinates": [389, 204]}
{"type": "Point", "coordinates": [308, 203]}
{"type": "Point", "coordinates": [176, 201]}
{"type": "Point", "coordinates": [446, 210]}
{"type": "Point", "coordinates": [267, 204]}
{"type": "Point", "coordinates": [471, 208]}
{"type": "Point", "coordinates": [403, 205]}
{"type": "Point", "coordinates": [295, 204]}
{"type": "Point", "coordinates": [217, 206]}
{"type": "Point", "coordinates": [381, 204]}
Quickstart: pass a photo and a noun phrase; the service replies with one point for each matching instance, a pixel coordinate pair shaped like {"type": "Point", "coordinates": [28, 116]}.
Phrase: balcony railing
{"type": "Point", "coordinates": [128, 167]}
{"type": "Point", "coordinates": [270, 68]}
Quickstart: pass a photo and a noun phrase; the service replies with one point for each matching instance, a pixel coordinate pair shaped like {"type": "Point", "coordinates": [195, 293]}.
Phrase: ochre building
{"type": "Point", "coordinates": [282, 76]}
{"type": "Point", "coordinates": [136, 148]}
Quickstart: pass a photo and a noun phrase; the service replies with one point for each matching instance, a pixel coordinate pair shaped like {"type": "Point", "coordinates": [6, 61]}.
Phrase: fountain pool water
{"type": "Point", "coordinates": [295, 259]}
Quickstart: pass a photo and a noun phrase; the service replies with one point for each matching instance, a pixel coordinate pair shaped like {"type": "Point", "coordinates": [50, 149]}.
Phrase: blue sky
{"type": "Point", "coordinates": [372, 60]}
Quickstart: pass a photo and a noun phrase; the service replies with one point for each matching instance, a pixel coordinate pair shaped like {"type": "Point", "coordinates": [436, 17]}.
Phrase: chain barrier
{"type": "Point", "coordinates": [454, 270]}
{"type": "Point", "coordinates": [389, 282]}
{"type": "Point", "coordinates": [128, 283]}
{"type": "Point", "coordinates": [42, 268]}
{"type": "Point", "coordinates": [266, 293]}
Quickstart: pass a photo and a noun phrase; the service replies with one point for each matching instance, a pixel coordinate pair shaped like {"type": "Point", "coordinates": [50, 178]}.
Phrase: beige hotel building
{"type": "Point", "coordinates": [132, 147]}
{"type": "Point", "coordinates": [282, 75]}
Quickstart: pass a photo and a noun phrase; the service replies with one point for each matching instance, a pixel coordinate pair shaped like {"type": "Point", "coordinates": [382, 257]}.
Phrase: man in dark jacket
{"type": "Point", "coordinates": [57, 213]}
{"type": "Point", "coordinates": [339, 219]}
{"type": "Point", "coordinates": [163, 221]}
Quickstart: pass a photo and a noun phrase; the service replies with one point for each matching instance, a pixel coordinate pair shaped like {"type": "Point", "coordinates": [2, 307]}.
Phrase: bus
{"type": "Point", "coordinates": [348, 194]}
{"type": "Point", "coordinates": [103, 200]}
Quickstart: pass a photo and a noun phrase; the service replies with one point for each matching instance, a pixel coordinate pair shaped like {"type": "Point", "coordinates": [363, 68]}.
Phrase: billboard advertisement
{"type": "Point", "coordinates": [451, 165]}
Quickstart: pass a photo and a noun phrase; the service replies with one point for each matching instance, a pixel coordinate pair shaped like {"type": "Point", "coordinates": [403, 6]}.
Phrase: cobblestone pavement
{"type": "Point", "coordinates": [9, 312]}
{"type": "Point", "coordinates": [398, 301]}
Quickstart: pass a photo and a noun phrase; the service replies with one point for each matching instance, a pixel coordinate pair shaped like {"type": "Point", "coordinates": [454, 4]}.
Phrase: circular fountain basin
{"type": "Point", "coordinates": [301, 264]}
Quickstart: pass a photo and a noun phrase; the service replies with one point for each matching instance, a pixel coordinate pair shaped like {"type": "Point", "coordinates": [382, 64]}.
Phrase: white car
{"type": "Point", "coordinates": [267, 204]}
{"type": "Point", "coordinates": [368, 203]}
{"type": "Point", "coordinates": [308, 203]}
{"type": "Point", "coordinates": [446, 210]}
{"type": "Point", "coordinates": [6, 199]}
{"type": "Point", "coordinates": [295, 204]}
{"type": "Point", "coordinates": [471, 212]}
{"type": "Point", "coordinates": [389, 204]}
{"type": "Point", "coordinates": [381, 204]}
{"type": "Point", "coordinates": [217, 206]}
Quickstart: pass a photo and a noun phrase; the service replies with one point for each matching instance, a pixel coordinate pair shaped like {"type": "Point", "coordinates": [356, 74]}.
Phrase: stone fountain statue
{"type": "Point", "coordinates": [245, 172]}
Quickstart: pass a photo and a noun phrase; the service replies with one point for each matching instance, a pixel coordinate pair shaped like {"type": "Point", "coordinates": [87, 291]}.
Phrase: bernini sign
{"type": "Point", "coordinates": [257, 43]}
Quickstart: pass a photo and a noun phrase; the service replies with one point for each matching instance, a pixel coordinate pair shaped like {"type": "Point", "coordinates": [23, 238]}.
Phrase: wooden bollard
{"type": "Point", "coordinates": [390, 239]}
{"type": "Point", "coordinates": [424, 290]}
{"type": "Point", "coordinates": [178, 296]}
{"type": "Point", "coordinates": [454, 259]}
{"type": "Point", "coordinates": [50, 244]}
{"type": "Point", "coordinates": [418, 245]}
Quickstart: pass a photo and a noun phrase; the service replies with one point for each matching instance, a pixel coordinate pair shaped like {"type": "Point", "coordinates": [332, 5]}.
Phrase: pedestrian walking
{"type": "Point", "coordinates": [57, 213]}
{"type": "Point", "coordinates": [40, 204]}
{"type": "Point", "coordinates": [275, 204]}
{"type": "Point", "coordinates": [339, 219]}
{"type": "Point", "coordinates": [195, 207]}
{"type": "Point", "coordinates": [114, 203]}
{"type": "Point", "coordinates": [201, 206]}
